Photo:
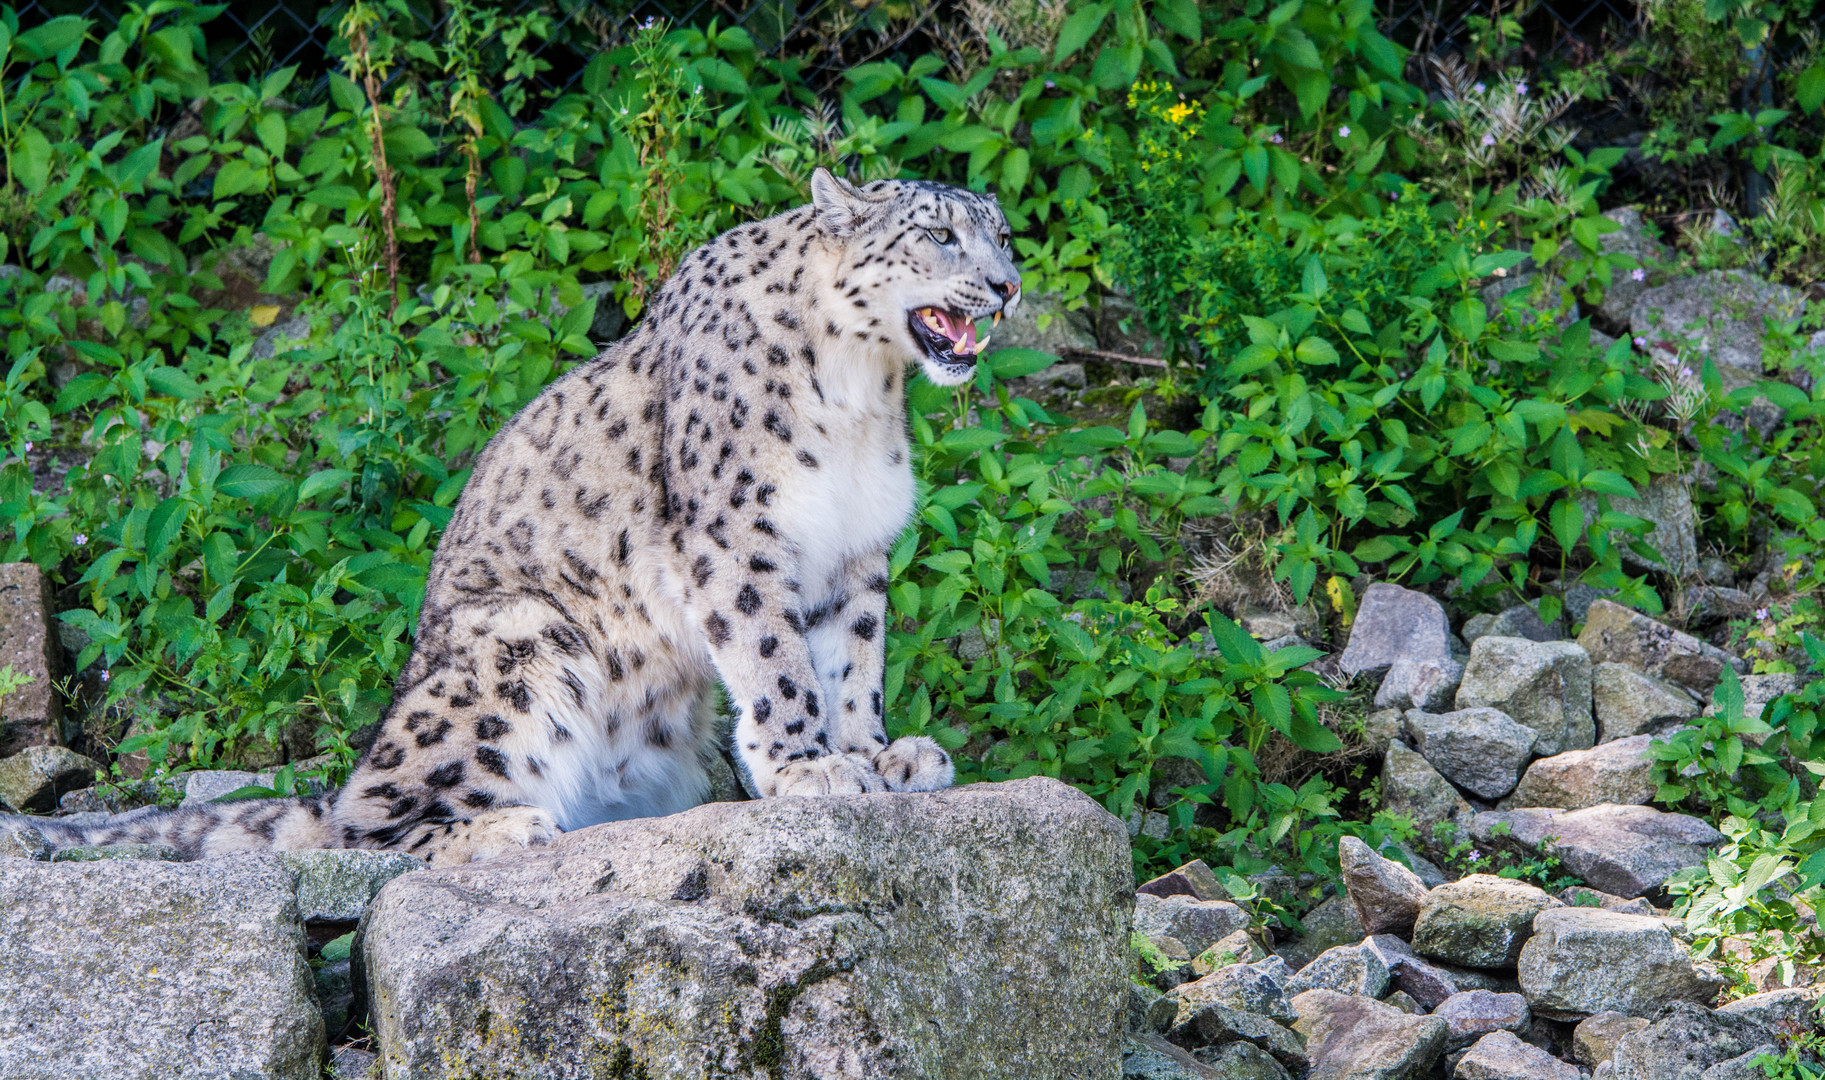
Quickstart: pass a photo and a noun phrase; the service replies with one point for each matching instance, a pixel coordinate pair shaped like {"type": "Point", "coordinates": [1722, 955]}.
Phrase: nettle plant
{"type": "Point", "coordinates": [1014, 639]}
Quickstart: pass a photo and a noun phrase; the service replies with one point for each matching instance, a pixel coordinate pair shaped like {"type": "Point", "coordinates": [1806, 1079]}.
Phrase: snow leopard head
{"type": "Point", "coordinates": [935, 259]}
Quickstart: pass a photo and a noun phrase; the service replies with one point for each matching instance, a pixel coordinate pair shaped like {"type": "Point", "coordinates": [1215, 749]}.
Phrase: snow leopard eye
{"type": "Point", "coordinates": [1005, 239]}
{"type": "Point", "coordinates": [942, 236]}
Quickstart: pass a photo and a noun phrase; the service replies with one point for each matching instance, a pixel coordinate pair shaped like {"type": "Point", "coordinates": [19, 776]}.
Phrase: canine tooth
{"type": "Point", "coordinates": [931, 320]}
{"type": "Point", "coordinates": [982, 343]}
{"type": "Point", "coordinates": [997, 321]}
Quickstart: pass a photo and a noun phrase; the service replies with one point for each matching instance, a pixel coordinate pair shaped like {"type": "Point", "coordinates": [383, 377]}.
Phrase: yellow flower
{"type": "Point", "coordinates": [1178, 112]}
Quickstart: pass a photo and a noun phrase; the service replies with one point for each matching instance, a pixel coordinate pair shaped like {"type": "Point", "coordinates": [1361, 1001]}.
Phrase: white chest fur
{"type": "Point", "coordinates": [855, 501]}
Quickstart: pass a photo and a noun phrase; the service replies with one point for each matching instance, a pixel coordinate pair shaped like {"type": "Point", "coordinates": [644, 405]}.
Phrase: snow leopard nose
{"type": "Point", "coordinates": [1006, 289]}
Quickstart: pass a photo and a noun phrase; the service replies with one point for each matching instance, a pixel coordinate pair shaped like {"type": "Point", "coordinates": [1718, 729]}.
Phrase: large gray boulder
{"type": "Point", "coordinates": [136, 969]}
{"type": "Point", "coordinates": [1427, 983]}
{"type": "Point", "coordinates": [1199, 924]}
{"type": "Point", "coordinates": [1386, 894]}
{"type": "Point", "coordinates": [1502, 1056]}
{"type": "Point", "coordinates": [1481, 921]}
{"type": "Point", "coordinates": [1394, 624]}
{"type": "Point", "coordinates": [1333, 922]}
{"type": "Point", "coordinates": [1480, 750]}
{"type": "Point", "coordinates": [1349, 1037]}
{"type": "Point", "coordinates": [1684, 1042]}
{"type": "Point", "coordinates": [1625, 850]}
{"type": "Point", "coordinates": [1149, 1057]}
{"type": "Point", "coordinates": [1720, 312]}
{"type": "Point", "coordinates": [1544, 685]}
{"type": "Point", "coordinates": [1411, 786]}
{"type": "Point", "coordinates": [1612, 772]}
{"type": "Point", "coordinates": [337, 885]}
{"type": "Point", "coordinates": [32, 779]}
{"type": "Point", "coordinates": [1789, 1009]}
{"type": "Point", "coordinates": [1581, 961]}
{"type": "Point", "coordinates": [904, 935]}
{"type": "Point", "coordinates": [1594, 1039]}
{"type": "Point", "coordinates": [1212, 1024]}
{"type": "Point", "coordinates": [1476, 1013]}
{"type": "Point", "coordinates": [1260, 988]}
{"type": "Point", "coordinates": [33, 714]}
{"type": "Point", "coordinates": [1628, 702]}
{"type": "Point", "coordinates": [1614, 634]}
{"type": "Point", "coordinates": [1347, 969]}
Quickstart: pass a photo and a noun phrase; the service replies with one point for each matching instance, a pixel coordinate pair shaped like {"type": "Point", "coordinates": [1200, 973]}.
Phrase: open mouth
{"type": "Point", "coordinates": [949, 337]}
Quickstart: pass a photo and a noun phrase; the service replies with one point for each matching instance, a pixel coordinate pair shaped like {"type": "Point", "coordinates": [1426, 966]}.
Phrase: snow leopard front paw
{"type": "Point", "coordinates": [915, 763]}
{"type": "Point", "coordinates": [497, 832]}
{"type": "Point", "coordinates": [837, 774]}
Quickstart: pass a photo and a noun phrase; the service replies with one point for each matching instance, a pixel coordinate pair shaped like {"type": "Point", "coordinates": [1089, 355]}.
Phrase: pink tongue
{"type": "Point", "coordinates": [963, 343]}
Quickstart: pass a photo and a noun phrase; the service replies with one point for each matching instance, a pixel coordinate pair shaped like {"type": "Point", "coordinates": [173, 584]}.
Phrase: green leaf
{"type": "Point", "coordinates": [1315, 350]}
{"type": "Point", "coordinates": [250, 482]}
{"type": "Point", "coordinates": [322, 481]}
{"type": "Point", "coordinates": [173, 383]}
{"type": "Point", "coordinates": [165, 524]}
{"type": "Point", "coordinates": [1078, 30]}
{"type": "Point", "coordinates": [32, 165]}
{"type": "Point", "coordinates": [1567, 519]}
{"type": "Point", "coordinates": [1608, 483]}
{"type": "Point", "coordinates": [1179, 16]}
{"type": "Point", "coordinates": [1014, 363]}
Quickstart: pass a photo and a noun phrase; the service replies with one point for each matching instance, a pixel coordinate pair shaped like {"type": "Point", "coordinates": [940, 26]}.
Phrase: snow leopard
{"type": "Point", "coordinates": [712, 499]}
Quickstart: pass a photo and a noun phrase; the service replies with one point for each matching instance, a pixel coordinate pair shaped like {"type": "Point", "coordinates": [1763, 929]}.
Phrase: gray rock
{"type": "Point", "coordinates": [1381, 727]}
{"type": "Point", "coordinates": [1347, 969]}
{"type": "Point", "coordinates": [1585, 896]}
{"type": "Point", "coordinates": [281, 337]}
{"type": "Point", "coordinates": [1668, 504]}
{"type": "Point", "coordinates": [1149, 1011]}
{"type": "Point", "coordinates": [1759, 690]}
{"type": "Point", "coordinates": [1358, 1038]}
{"type": "Point", "coordinates": [335, 994]}
{"type": "Point", "coordinates": [20, 839]}
{"type": "Point", "coordinates": [1614, 772]}
{"type": "Point", "coordinates": [1427, 983]}
{"type": "Point", "coordinates": [353, 1063]}
{"type": "Point", "coordinates": [1520, 621]}
{"type": "Point", "coordinates": [1238, 948]}
{"type": "Point", "coordinates": [1628, 702]}
{"type": "Point", "coordinates": [1623, 291]}
{"type": "Point", "coordinates": [1064, 333]}
{"type": "Point", "coordinates": [1625, 850]}
{"type": "Point", "coordinates": [1708, 605]}
{"type": "Point", "coordinates": [1481, 921]}
{"type": "Point", "coordinates": [926, 935]}
{"type": "Point", "coordinates": [1405, 1002]}
{"type": "Point", "coordinates": [1419, 684]}
{"type": "Point", "coordinates": [1719, 312]}
{"type": "Point", "coordinates": [32, 780]}
{"type": "Point", "coordinates": [1744, 1066]}
{"type": "Point", "coordinates": [33, 714]}
{"type": "Point", "coordinates": [1243, 1061]}
{"type": "Point", "coordinates": [1581, 961]}
{"type": "Point", "coordinates": [1386, 894]}
{"type": "Point", "coordinates": [1472, 1014]}
{"type": "Point", "coordinates": [1502, 1056]}
{"type": "Point", "coordinates": [1333, 922]}
{"type": "Point", "coordinates": [1544, 685]}
{"type": "Point", "coordinates": [144, 969]}
{"type": "Point", "coordinates": [1198, 923]}
{"type": "Point", "coordinates": [1615, 634]}
{"type": "Point", "coordinates": [1412, 787]}
{"type": "Point", "coordinates": [1684, 1041]}
{"type": "Point", "coordinates": [98, 852]}
{"type": "Point", "coordinates": [1594, 1039]}
{"type": "Point", "coordinates": [337, 885]}
{"type": "Point", "coordinates": [1393, 624]}
{"type": "Point", "coordinates": [1149, 1057]}
{"type": "Point", "coordinates": [211, 784]}
{"type": "Point", "coordinates": [1195, 879]}
{"type": "Point", "coordinates": [1260, 988]}
{"type": "Point", "coordinates": [1213, 1024]}
{"type": "Point", "coordinates": [1789, 1009]}
{"type": "Point", "coordinates": [1480, 750]}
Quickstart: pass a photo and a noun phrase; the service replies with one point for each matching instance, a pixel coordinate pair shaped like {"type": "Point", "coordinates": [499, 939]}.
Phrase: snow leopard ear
{"type": "Point", "coordinates": [842, 208]}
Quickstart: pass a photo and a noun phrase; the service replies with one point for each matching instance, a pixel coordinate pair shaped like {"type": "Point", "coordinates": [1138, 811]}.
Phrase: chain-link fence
{"type": "Point", "coordinates": [251, 37]}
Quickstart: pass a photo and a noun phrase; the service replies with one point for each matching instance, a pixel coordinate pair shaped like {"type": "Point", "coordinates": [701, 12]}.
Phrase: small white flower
{"type": "Point", "coordinates": [1479, 88]}
{"type": "Point", "coordinates": [1638, 274]}
{"type": "Point", "coordinates": [81, 539]}
{"type": "Point", "coordinates": [28, 446]}
{"type": "Point", "coordinates": [1050, 85]}
{"type": "Point", "coordinates": [1761, 613]}
{"type": "Point", "coordinates": [1641, 343]}
{"type": "Point", "coordinates": [1520, 89]}
{"type": "Point", "coordinates": [104, 676]}
{"type": "Point", "coordinates": [1343, 132]}
{"type": "Point", "coordinates": [1275, 138]}
{"type": "Point", "coordinates": [1488, 140]}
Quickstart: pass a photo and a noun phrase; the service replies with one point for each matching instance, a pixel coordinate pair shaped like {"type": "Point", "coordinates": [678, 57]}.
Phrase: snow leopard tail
{"type": "Point", "coordinates": [194, 832]}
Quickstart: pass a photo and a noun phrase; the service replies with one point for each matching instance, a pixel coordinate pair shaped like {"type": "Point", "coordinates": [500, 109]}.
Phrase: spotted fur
{"type": "Point", "coordinates": [711, 499]}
